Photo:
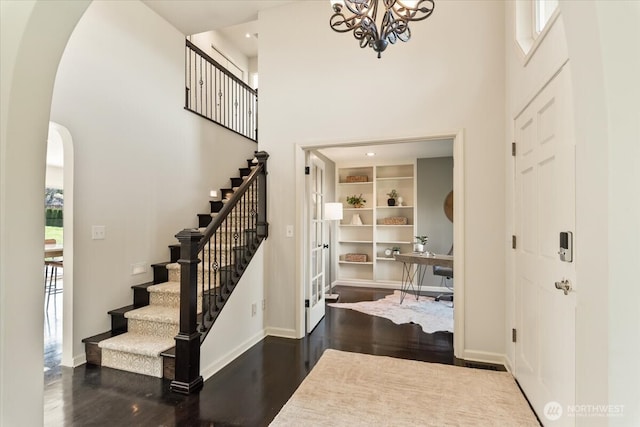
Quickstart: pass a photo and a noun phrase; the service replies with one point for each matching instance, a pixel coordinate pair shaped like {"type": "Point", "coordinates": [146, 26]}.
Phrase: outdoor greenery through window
{"type": "Point", "coordinates": [53, 207]}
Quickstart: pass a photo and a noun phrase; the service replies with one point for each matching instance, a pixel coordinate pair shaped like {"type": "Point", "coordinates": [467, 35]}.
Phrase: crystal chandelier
{"type": "Point", "coordinates": [394, 25]}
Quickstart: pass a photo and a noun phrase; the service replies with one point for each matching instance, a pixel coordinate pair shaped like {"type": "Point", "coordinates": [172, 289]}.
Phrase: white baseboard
{"type": "Point", "coordinates": [388, 285]}
{"type": "Point", "coordinates": [282, 333]}
{"type": "Point", "coordinates": [484, 357]}
{"type": "Point", "coordinates": [208, 371]}
{"type": "Point", "coordinates": [509, 365]}
{"type": "Point", "coordinates": [78, 360]}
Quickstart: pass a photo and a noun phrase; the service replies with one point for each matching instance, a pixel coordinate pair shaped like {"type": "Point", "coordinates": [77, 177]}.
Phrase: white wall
{"type": "Point", "coordinates": [235, 329]}
{"type": "Point", "coordinates": [319, 88]}
{"type": "Point", "coordinates": [253, 72]}
{"type": "Point", "coordinates": [226, 48]}
{"type": "Point", "coordinates": [143, 165]}
{"type": "Point", "coordinates": [603, 41]}
{"type": "Point", "coordinates": [434, 182]}
{"type": "Point", "coordinates": [54, 177]}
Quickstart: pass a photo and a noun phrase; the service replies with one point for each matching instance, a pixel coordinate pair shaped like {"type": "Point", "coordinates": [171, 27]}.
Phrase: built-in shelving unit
{"type": "Point", "coordinates": [374, 235]}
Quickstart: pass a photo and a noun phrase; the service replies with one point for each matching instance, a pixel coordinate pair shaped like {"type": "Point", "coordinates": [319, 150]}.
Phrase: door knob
{"type": "Point", "coordinates": [564, 286]}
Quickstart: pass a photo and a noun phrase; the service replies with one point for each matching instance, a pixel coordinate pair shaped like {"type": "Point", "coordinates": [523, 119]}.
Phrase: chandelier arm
{"type": "Point", "coordinates": [386, 28]}
{"type": "Point", "coordinates": [342, 24]}
{"type": "Point", "coordinates": [361, 7]}
{"type": "Point", "coordinates": [394, 25]}
{"type": "Point", "coordinates": [422, 10]}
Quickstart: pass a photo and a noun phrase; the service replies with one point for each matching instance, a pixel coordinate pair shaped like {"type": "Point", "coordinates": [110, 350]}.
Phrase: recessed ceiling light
{"type": "Point", "coordinates": [371, 154]}
{"type": "Point", "coordinates": [248, 35]}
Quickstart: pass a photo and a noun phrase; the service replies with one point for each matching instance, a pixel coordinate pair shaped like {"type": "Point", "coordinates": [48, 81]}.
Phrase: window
{"type": "Point", "coordinates": [533, 20]}
{"type": "Point", "coordinates": [543, 11]}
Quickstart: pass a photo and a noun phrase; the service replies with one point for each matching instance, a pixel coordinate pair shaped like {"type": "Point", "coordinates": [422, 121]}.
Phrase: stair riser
{"type": "Point", "coordinates": [216, 278]}
{"type": "Point", "coordinates": [224, 258]}
{"type": "Point", "coordinates": [146, 365]}
{"type": "Point", "coordinates": [160, 273]}
{"type": "Point", "coordinates": [157, 329]}
{"type": "Point", "coordinates": [236, 224]}
{"type": "Point", "coordinates": [166, 299]}
{"type": "Point", "coordinates": [240, 220]}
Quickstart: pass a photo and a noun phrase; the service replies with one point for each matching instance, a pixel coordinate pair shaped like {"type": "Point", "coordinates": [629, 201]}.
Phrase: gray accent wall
{"type": "Point", "coordinates": [433, 182]}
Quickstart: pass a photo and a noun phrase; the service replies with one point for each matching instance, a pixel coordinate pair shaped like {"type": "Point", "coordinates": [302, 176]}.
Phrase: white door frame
{"type": "Point", "coordinates": [458, 225]}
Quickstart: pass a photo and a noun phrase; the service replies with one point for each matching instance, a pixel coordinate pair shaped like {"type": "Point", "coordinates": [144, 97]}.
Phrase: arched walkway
{"type": "Point", "coordinates": [64, 135]}
{"type": "Point", "coordinates": [34, 35]}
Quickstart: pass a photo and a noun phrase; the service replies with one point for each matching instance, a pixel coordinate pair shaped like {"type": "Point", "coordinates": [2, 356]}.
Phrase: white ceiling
{"type": "Point", "coordinates": [232, 18]}
{"type": "Point", "coordinates": [236, 34]}
{"type": "Point", "coordinates": [389, 152]}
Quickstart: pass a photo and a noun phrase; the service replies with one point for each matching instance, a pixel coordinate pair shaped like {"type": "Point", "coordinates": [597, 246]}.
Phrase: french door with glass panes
{"type": "Point", "coordinates": [315, 275]}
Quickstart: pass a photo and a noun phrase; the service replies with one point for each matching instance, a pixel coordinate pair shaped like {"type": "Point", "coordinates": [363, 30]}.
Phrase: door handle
{"type": "Point", "coordinates": [564, 286]}
{"type": "Point", "coordinates": [325, 246]}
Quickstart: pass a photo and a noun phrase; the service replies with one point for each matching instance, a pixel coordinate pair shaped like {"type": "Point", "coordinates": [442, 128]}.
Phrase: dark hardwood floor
{"type": "Point", "coordinates": [53, 337]}
{"type": "Point", "coordinates": [251, 390]}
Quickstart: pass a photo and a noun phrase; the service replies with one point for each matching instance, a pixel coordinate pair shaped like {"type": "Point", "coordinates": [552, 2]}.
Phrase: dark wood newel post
{"type": "Point", "coordinates": [187, 374]}
{"type": "Point", "coordinates": [262, 224]}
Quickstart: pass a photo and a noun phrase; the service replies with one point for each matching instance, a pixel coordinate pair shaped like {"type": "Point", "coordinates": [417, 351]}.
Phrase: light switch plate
{"type": "Point", "coordinates": [138, 268]}
{"type": "Point", "coordinates": [98, 232]}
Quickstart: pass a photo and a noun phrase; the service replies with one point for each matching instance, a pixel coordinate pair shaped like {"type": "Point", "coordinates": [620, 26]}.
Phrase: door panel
{"type": "Point", "coordinates": [316, 262]}
{"type": "Point", "coordinates": [545, 206]}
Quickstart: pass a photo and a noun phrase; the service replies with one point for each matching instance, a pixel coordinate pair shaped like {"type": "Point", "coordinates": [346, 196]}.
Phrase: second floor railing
{"type": "Point", "coordinates": [213, 92]}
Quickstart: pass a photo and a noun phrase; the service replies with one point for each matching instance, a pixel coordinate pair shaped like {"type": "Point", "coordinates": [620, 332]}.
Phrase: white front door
{"type": "Point", "coordinates": [316, 262]}
{"type": "Point", "coordinates": [544, 207]}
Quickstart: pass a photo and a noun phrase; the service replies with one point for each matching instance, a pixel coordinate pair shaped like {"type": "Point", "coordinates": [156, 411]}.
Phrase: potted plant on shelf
{"type": "Point", "coordinates": [396, 250]}
{"type": "Point", "coordinates": [393, 195]}
{"type": "Point", "coordinates": [418, 246]}
{"type": "Point", "coordinates": [356, 201]}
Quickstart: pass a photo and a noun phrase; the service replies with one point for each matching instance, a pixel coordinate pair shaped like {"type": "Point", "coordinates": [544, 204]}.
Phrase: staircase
{"type": "Point", "coordinates": [143, 335]}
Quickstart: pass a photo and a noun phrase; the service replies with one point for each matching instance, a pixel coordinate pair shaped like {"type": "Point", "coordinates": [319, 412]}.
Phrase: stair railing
{"type": "Point", "coordinates": [213, 92]}
{"type": "Point", "coordinates": [211, 264]}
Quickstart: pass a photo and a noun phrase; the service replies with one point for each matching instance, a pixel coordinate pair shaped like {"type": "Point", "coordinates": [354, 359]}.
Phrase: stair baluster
{"type": "Point", "coordinates": [234, 234]}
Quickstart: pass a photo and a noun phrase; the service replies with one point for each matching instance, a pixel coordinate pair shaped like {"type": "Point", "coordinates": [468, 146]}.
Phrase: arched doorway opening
{"type": "Point", "coordinates": [59, 315]}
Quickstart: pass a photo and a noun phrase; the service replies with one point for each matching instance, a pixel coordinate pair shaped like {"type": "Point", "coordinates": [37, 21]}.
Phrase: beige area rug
{"type": "Point", "coordinates": [431, 315]}
{"type": "Point", "coordinates": [352, 389]}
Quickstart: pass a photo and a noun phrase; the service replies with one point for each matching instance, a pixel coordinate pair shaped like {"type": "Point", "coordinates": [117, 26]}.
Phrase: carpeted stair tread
{"type": "Point", "coordinates": [144, 345]}
{"type": "Point", "coordinates": [155, 313]}
{"type": "Point", "coordinates": [166, 287]}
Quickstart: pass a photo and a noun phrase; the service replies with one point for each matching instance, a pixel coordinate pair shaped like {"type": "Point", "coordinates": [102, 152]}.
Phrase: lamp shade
{"type": "Point", "coordinates": [333, 211]}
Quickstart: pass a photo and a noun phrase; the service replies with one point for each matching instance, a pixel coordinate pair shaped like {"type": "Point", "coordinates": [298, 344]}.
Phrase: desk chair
{"type": "Point", "coordinates": [446, 273]}
{"type": "Point", "coordinates": [51, 281]}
